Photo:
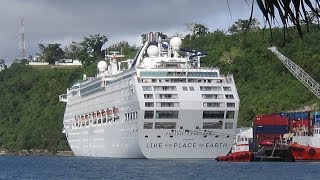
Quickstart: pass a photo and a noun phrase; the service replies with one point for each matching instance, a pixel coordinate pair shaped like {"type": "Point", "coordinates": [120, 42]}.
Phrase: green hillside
{"type": "Point", "coordinates": [31, 114]}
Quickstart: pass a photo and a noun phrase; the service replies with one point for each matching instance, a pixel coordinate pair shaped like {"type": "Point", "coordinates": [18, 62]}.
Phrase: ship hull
{"type": "Point", "coordinates": [107, 140]}
{"type": "Point", "coordinates": [305, 153]}
{"type": "Point", "coordinates": [184, 145]}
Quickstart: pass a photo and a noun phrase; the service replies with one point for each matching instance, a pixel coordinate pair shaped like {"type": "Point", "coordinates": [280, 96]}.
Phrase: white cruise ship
{"type": "Point", "coordinates": [162, 105]}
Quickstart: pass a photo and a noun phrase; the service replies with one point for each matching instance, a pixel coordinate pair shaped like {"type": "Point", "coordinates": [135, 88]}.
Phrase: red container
{"type": "Point", "coordinates": [270, 119]}
{"type": "Point", "coordinates": [298, 123]}
{"type": "Point", "coordinates": [271, 137]}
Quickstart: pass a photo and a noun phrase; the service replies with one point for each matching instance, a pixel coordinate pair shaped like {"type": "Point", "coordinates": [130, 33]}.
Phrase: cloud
{"type": "Point", "coordinates": [63, 21]}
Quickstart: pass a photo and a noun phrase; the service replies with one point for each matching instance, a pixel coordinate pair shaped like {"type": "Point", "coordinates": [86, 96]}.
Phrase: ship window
{"type": "Point", "coordinates": [231, 105]}
{"type": "Point", "coordinates": [212, 125]}
{"type": "Point", "coordinates": [209, 96]}
{"type": "Point", "coordinates": [227, 88]}
{"type": "Point", "coordinates": [148, 96]}
{"type": "Point", "coordinates": [148, 114]}
{"type": "Point", "coordinates": [191, 88]}
{"type": "Point", "coordinates": [165, 88]}
{"type": "Point", "coordinates": [228, 125]}
{"type": "Point", "coordinates": [230, 115]}
{"type": "Point", "coordinates": [167, 114]}
{"type": "Point", "coordinates": [146, 88]}
{"type": "Point", "coordinates": [210, 88]}
{"type": "Point", "coordinates": [211, 104]}
{"type": "Point", "coordinates": [167, 104]}
{"type": "Point", "coordinates": [184, 88]}
{"type": "Point", "coordinates": [149, 104]}
{"type": "Point", "coordinates": [165, 125]}
{"type": "Point", "coordinates": [167, 96]}
{"type": "Point", "coordinates": [229, 96]}
{"type": "Point", "coordinates": [213, 115]}
{"type": "Point", "coordinates": [147, 125]}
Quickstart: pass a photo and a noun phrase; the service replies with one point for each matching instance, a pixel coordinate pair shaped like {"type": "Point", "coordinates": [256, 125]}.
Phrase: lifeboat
{"type": "Point", "coordinates": [109, 112]}
{"type": "Point", "coordinates": [243, 156]}
{"type": "Point", "coordinates": [304, 153]}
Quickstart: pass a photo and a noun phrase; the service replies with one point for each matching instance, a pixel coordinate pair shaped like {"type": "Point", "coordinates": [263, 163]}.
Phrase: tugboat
{"type": "Point", "coordinates": [306, 148]}
{"type": "Point", "coordinates": [240, 152]}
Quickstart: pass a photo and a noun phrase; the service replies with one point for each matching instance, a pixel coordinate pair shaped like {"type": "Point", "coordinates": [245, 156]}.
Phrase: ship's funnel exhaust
{"type": "Point", "coordinates": [153, 36]}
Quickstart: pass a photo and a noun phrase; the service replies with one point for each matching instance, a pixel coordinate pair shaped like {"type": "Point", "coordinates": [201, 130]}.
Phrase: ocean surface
{"type": "Point", "coordinates": [33, 167]}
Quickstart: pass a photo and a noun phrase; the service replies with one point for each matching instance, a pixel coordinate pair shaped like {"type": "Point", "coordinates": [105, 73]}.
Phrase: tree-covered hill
{"type": "Point", "coordinates": [264, 84]}
{"type": "Point", "coordinates": [30, 111]}
{"type": "Point", "coordinates": [31, 114]}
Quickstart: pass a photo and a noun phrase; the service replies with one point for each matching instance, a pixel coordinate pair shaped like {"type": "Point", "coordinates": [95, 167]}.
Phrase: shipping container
{"type": "Point", "coordinates": [299, 123]}
{"type": "Point", "coordinates": [271, 129]}
{"type": "Point", "coordinates": [263, 136]}
{"type": "Point", "coordinates": [271, 137]}
{"type": "Point", "coordinates": [316, 118]}
{"type": "Point", "coordinates": [270, 119]}
{"type": "Point", "coordinates": [295, 115]}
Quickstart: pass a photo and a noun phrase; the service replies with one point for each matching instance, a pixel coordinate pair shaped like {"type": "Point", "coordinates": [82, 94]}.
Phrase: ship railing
{"type": "Point", "coordinates": [63, 98]}
{"type": "Point", "coordinates": [183, 67]}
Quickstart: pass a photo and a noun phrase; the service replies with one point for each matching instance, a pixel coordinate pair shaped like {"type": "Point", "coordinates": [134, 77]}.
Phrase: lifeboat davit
{"type": "Point", "coordinates": [242, 156]}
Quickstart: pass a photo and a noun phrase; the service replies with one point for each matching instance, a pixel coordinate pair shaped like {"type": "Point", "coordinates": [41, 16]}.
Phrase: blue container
{"type": "Point", "coordinates": [316, 118]}
{"type": "Point", "coordinates": [271, 129]}
{"type": "Point", "coordinates": [295, 115]}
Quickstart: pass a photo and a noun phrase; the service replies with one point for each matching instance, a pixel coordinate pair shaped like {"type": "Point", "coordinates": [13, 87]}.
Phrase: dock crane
{"type": "Point", "coordinates": [298, 72]}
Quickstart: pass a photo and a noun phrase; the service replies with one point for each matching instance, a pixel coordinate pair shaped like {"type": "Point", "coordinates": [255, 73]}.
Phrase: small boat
{"type": "Point", "coordinates": [305, 153]}
{"type": "Point", "coordinates": [243, 156]}
{"type": "Point", "coordinates": [306, 148]}
{"type": "Point", "coordinates": [241, 151]}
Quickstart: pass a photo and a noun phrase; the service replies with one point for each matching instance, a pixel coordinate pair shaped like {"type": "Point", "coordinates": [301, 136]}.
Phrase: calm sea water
{"type": "Point", "coordinates": [18, 167]}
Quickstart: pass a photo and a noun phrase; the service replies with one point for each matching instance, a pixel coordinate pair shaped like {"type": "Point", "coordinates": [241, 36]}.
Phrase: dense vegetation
{"type": "Point", "coordinates": [31, 115]}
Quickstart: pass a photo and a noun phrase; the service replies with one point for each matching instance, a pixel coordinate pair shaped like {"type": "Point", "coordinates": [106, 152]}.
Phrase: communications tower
{"type": "Point", "coordinates": [22, 42]}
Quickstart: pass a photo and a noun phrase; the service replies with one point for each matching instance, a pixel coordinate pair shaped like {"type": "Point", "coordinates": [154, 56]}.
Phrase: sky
{"type": "Point", "coordinates": [64, 21]}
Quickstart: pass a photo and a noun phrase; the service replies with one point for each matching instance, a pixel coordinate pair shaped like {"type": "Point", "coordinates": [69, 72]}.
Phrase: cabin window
{"type": "Point", "coordinates": [146, 88]}
{"type": "Point", "coordinates": [147, 125]}
{"type": "Point", "coordinates": [167, 114]}
{"type": "Point", "coordinates": [230, 115]}
{"type": "Point", "coordinates": [212, 125]}
{"type": "Point", "coordinates": [165, 88]}
{"type": "Point", "coordinates": [212, 104]}
{"type": "Point", "coordinates": [148, 96]}
{"type": "Point", "coordinates": [231, 105]}
{"type": "Point", "coordinates": [191, 88]}
{"type": "Point", "coordinates": [213, 115]}
{"type": "Point", "coordinates": [167, 104]}
{"type": "Point", "coordinates": [228, 125]}
{"type": "Point", "coordinates": [165, 125]}
{"type": "Point", "coordinates": [167, 96]}
{"type": "Point", "coordinates": [229, 96]}
{"type": "Point", "coordinates": [149, 104]}
{"type": "Point", "coordinates": [209, 96]}
{"type": "Point", "coordinates": [148, 114]}
{"type": "Point", "coordinates": [184, 88]}
{"type": "Point", "coordinates": [227, 88]}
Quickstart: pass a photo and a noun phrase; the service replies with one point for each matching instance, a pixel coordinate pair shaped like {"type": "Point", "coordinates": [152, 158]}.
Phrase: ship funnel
{"type": "Point", "coordinates": [153, 36]}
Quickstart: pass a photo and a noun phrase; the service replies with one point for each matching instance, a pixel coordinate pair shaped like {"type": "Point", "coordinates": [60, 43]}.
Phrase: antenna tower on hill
{"type": "Point", "coordinates": [22, 42]}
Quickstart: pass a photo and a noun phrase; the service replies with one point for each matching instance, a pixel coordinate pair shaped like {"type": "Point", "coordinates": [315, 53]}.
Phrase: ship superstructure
{"type": "Point", "coordinates": [163, 105]}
